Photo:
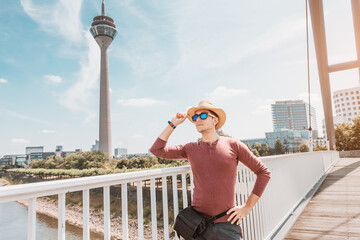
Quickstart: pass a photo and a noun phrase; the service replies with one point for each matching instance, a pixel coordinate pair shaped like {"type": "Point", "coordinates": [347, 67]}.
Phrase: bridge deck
{"type": "Point", "coordinates": [334, 211]}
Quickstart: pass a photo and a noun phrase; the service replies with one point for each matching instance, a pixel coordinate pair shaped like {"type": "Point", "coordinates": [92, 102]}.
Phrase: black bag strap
{"type": "Point", "coordinates": [210, 220]}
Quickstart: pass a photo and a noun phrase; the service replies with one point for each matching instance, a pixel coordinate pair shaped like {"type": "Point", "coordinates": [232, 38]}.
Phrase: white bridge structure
{"type": "Point", "coordinates": [294, 178]}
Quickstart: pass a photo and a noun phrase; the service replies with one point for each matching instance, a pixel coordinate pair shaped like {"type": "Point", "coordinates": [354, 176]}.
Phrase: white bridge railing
{"type": "Point", "coordinates": [293, 176]}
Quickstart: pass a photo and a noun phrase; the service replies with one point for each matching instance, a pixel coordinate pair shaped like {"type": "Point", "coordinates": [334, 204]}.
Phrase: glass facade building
{"type": "Point", "coordinates": [95, 146]}
{"type": "Point", "coordinates": [37, 149]}
{"type": "Point", "coordinates": [252, 141]}
{"type": "Point", "coordinates": [120, 151]}
{"type": "Point", "coordinates": [291, 139]}
{"type": "Point", "coordinates": [294, 115]}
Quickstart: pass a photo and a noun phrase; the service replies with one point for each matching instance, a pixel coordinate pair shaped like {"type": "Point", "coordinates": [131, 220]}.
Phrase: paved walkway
{"type": "Point", "coordinates": [334, 211]}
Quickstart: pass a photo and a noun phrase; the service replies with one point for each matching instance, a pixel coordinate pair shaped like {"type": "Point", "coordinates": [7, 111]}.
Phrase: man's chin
{"type": "Point", "coordinates": [200, 129]}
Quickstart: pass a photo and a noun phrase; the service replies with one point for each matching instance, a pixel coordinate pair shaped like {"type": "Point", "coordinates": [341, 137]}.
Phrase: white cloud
{"type": "Point", "coordinates": [53, 79]}
{"type": "Point", "coordinates": [19, 140]}
{"type": "Point", "coordinates": [21, 116]}
{"type": "Point", "coordinates": [263, 106]}
{"type": "Point", "coordinates": [61, 18]}
{"type": "Point", "coordinates": [48, 131]}
{"type": "Point", "coordinates": [130, 8]}
{"type": "Point", "coordinates": [198, 41]}
{"type": "Point", "coordinates": [10, 60]}
{"type": "Point", "coordinates": [138, 102]}
{"type": "Point", "coordinates": [3, 80]}
{"type": "Point", "coordinates": [225, 93]}
{"type": "Point", "coordinates": [314, 98]}
{"type": "Point", "coordinates": [137, 136]}
{"type": "Point", "coordinates": [78, 97]}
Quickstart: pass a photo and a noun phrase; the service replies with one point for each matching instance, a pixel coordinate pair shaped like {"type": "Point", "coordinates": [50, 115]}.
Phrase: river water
{"type": "Point", "coordinates": [13, 225]}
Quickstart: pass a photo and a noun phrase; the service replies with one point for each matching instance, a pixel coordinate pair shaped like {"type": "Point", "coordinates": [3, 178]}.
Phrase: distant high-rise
{"type": "Point", "coordinates": [347, 103]}
{"type": "Point", "coordinates": [293, 115]}
{"type": "Point", "coordinates": [104, 31]}
{"type": "Point", "coordinates": [95, 146]}
{"type": "Point", "coordinates": [29, 150]}
{"type": "Point", "coordinates": [120, 151]}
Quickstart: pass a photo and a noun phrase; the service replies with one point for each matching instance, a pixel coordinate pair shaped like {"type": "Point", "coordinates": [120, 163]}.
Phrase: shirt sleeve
{"type": "Point", "coordinates": [256, 166]}
{"type": "Point", "coordinates": [160, 150]}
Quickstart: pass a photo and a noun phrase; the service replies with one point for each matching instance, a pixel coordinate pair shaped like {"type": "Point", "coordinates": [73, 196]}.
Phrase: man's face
{"type": "Point", "coordinates": [205, 124]}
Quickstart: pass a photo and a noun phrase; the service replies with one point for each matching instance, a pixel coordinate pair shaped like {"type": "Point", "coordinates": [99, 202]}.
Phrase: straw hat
{"type": "Point", "coordinates": [203, 104]}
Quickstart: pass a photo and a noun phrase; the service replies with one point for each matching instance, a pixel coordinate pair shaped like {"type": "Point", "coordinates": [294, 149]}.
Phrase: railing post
{"type": "Point", "coordinates": [86, 213]}
{"type": "Point", "coordinates": [106, 196]}
{"type": "Point", "coordinates": [153, 208]}
{"type": "Point", "coordinates": [184, 190]}
{"type": "Point", "coordinates": [61, 216]}
{"type": "Point", "coordinates": [140, 211]}
{"type": "Point", "coordinates": [165, 208]}
{"type": "Point", "coordinates": [31, 231]}
{"type": "Point", "coordinates": [124, 206]}
{"type": "Point", "coordinates": [175, 199]}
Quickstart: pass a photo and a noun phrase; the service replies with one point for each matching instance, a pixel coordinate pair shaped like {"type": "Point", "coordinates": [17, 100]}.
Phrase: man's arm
{"type": "Point", "coordinates": [159, 148]}
{"type": "Point", "coordinates": [262, 179]}
{"type": "Point", "coordinates": [239, 212]}
{"type": "Point", "coordinates": [178, 119]}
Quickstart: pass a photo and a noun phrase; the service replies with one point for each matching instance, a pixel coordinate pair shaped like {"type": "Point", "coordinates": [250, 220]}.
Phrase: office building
{"type": "Point", "coordinates": [347, 103]}
{"type": "Point", "coordinates": [294, 115]}
{"type": "Point", "coordinates": [8, 160]}
{"type": "Point", "coordinates": [252, 141]}
{"type": "Point", "coordinates": [291, 139]}
{"type": "Point", "coordinates": [95, 146]}
{"type": "Point", "coordinates": [59, 148]}
{"type": "Point", "coordinates": [29, 150]}
{"type": "Point", "coordinates": [120, 151]}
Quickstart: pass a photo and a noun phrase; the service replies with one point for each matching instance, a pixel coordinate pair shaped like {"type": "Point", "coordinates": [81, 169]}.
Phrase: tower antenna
{"type": "Point", "coordinates": [103, 8]}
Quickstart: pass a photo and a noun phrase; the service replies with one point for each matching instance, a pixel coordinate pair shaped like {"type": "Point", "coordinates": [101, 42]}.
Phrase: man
{"type": "Point", "coordinates": [214, 161]}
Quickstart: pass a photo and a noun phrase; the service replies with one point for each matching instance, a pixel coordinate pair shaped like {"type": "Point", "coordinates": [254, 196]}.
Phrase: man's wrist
{"type": "Point", "coordinates": [171, 124]}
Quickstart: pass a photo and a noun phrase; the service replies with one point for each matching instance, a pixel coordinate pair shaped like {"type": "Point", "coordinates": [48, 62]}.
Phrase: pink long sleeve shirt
{"type": "Point", "coordinates": [214, 169]}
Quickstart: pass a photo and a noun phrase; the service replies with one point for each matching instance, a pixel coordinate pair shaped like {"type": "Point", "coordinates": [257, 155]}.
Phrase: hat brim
{"type": "Point", "coordinates": [221, 114]}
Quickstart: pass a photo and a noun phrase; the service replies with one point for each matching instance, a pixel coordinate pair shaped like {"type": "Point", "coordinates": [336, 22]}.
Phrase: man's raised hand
{"type": "Point", "coordinates": [179, 118]}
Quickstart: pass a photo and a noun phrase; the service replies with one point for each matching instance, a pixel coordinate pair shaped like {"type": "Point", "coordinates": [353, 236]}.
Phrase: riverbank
{"type": "Point", "coordinates": [73, 213]}
{"type": "Point", "coordinates": [4, 182]}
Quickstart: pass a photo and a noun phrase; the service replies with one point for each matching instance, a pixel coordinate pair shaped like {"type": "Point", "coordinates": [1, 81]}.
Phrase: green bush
{"type": "Point", "coordinates": [81, 160]}
{"type": "Point", "coordinates": [147, 162]}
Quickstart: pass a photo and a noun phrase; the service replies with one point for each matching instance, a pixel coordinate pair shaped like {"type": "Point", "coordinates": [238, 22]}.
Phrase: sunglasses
{"type": "Point", "coordinates": [202, 116]}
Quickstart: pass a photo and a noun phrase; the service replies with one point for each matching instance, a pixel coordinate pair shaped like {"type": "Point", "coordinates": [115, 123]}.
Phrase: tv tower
{"type": "Point", "coordinates": [104, 31]}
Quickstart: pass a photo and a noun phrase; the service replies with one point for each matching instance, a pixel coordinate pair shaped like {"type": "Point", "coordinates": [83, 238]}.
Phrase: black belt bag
{"type": "Point", "coordinates": [190, 224]}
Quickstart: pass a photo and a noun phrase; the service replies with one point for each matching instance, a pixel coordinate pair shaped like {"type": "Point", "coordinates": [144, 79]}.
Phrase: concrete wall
{"type": "Point", "coordinates": [348, 154]}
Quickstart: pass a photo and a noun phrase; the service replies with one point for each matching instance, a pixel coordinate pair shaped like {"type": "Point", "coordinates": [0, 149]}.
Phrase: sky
{"type": "Point", "coordinates": [168, 55]}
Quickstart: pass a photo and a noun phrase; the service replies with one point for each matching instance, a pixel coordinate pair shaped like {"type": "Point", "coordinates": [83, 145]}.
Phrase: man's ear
{"type": "Point", "coordinates": [217, 121]}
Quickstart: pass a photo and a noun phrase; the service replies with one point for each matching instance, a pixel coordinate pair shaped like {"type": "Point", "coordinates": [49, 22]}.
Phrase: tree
{"type": "Point", "coordinates": [303, 148]}
{"type": "Point", "coordinates": [123, 163]}
{"type": "Point", "coordinates": [267, 151]}
{"type": "Point", "coordinates": [355, 139]}
{"type": "Point", "coordinates": [255, 152]}
{"type": "Point", "coordinates": [320, 148]}
{"type": "Point", "coordinates": [81, 160]}
{"type": "Point", "coordinates": [278, 147]}
{"type": "Point", "coordinates": [249, 147]}
{"type": "Point", "coordinates": [259, 148]}
{"type": "Point", "coordinates": [286, 144]}
{"type": "Point", "coordinates": [221, 133]}
{"type": "Point", "coordinates": [343, 137]}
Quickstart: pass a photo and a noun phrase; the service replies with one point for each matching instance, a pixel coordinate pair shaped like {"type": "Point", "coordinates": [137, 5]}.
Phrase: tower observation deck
{"type": "Point", "coordinates": [103, 25]}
